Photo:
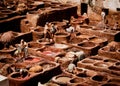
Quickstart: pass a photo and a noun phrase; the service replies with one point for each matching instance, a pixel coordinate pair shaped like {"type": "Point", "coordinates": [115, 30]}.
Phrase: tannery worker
{"type": "Point", "coordinates": [53, 29]}
{"type": "Point", "coordinates": [86, 18]}
{"type": "Point", "coordinates": [103, 16]}
{"type": "Point", "coordinates": [70, 29]}
{"type": "Point", "coordinates": [71, 67]}
{"type": "Point", "coordinates": [22, 49]}
{"type": "Point", "coordinates": [47, 31]}
{"type": "Point", "coordinates": [25, 50]}
{"type": "Point", "coordinates": [116, 26]}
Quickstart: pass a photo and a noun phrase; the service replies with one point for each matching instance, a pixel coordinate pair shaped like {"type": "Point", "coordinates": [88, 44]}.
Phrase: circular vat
{"type": "Point", "coordinates": [83, 75]}
{"type": "Point", "coordinates": [47, 65]}
{"type": "Point", "coordinates": [89, 61]}
{"type": "Point", "coordinates": [109, 60]}
{"type": "Point", "coordinates": [99, 78]}
{"type": "Point", "coordinates": [62, 79]}
{"type": "Point", "coordinates": [35, 45]}
{"type": "Point", "coordinates": [61, 37]}
{"type": "Point", "coordinates": [61, 34]}
{"type": "Point", "coordinates": [86, 44]}
{"type": "Point", "coordinates": [117, 64]}
{"type": "Point", "coordinates": [16, 67]}
{"type": "Point", "coordinates": [46, 42]}
{"type": "Point", "coordinates": [79, 69]}
{"type": "Point", "coordinates": [77, 80]}
{"type": "Point", "coordinates": [97, 40]}
{"type": "Point", "coordinates": [86, 74]}
{"type": "Point", "coordinates": [32, 60]}
{"type": "Point", "coordinates": [114, 68]}
{"type": "Point", "coordinates": [101, 64]}
{"type": "Point", "coordinates": [61, 46]}
{"type": "Point", "coordinates": [36, 69]}
{"type": "Point", "coordinates": [50, 53]}
{"type": "Point", "coordinates": [17, 75]}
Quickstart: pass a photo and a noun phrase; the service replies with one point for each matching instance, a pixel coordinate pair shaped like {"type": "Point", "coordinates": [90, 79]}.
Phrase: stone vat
{"type": "Point", "coordinates": [101, 41]}
{"type": "Point", "coordinates": [9, 50]}
{"type": "Point", "coordinates": [86, 63]}
{"type": "Point", "coordinates": [61, 37]}
{"type": "Point", "coordinates": [110, 35]}
{"type": "Point", "coordinates": [89, 48]}
{"type": "Point", "coordinates": [62, 79]}
{"type": "Point", "coordinates": [36, 46]}
{"type": "Point", "coordinates": [61, 46]}
{"type": "Point", "coordinates": [114, 68]}
{"type": "Point", "coordinates": [102, 64]}
{"type": "Point", "coordinates": [76, 81]}
{"type": "Point", "coordinates": [87, 74]}
{"type": "Point", "coordinates": [46, 42]}
{"type": "Point", "coordinates": [32, 60]}
{"type": "Point", "coordinates": [50, 69]}
{"type": "Point", "coordinates": [99, 78]}
{"type": "Point", "coordinates": [109, 51]}
{"type": "Point", "coordinates": [16, 79]}
{"type": "Point", "coordinates": [110, 60]}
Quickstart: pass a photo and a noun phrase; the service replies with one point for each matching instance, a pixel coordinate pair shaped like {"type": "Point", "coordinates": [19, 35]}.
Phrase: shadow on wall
{"type": "Point", "coordinates": [13, 24]}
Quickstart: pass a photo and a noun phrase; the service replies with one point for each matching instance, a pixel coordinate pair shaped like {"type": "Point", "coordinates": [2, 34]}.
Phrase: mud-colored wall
{"type": "Point", "coordinates": [111, 4]}
{"type": "Point", "coordinates": [96, 6]}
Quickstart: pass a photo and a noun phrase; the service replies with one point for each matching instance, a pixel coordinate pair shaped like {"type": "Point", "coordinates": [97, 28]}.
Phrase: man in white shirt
{"type": "Point", "coordinates": [71, 67]}
{"type": "Point", "coordinates": [70, 29]}
{"type": "Point", "coordinates": [103, 16]}
{"type": "Point", "coordinates": [45, 31]}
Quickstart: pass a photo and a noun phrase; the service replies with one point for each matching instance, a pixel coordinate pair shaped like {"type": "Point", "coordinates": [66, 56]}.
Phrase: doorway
{"type": "Point", "coordinates": [84, 8]}
{"type": "Point", "coordinates": [106, 11]}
